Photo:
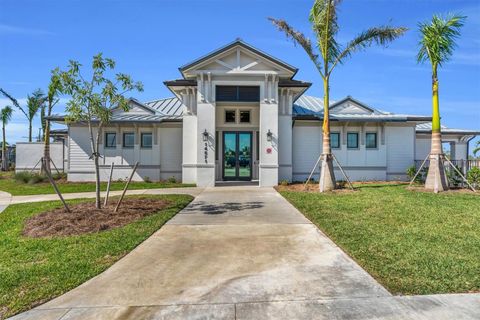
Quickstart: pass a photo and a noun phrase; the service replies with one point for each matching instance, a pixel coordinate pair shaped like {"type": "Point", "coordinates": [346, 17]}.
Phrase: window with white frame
{"type": "Point", "coordinates": [128, 139]}
{"type": "Point", "coordinates": [371, 140]}
{"type": "Point", "coordinates": [110, 140]}
{"type": "Point", "coordinates": [352, 140]}
{"type": "Point", "coordinates": [146, 140]}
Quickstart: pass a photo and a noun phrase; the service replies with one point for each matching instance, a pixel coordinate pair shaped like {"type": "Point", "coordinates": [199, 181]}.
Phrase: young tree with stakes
{"type": "Point", "coordinates": [54, 90]}
{"type": "Point", "coordinates": [323, 18]}
{"type": "Point", "coordinates": [436, 45]}
{"type": "Point", "coordinates": [93, 100]}
{"type": "Point", "coordinates": [5, 117]}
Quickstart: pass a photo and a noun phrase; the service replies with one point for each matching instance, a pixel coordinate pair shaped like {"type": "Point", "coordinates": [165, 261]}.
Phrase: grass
{"type": "Point", "coordinates": [33, 271]}
{"type": "Point", "coordinates": [411, 242]}
{"type": "Point", "coordinates": [8, 184]}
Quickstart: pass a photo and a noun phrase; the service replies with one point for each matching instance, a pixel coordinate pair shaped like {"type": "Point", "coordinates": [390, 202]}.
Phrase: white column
{"type": "Point", "coordinates": [268, 168]}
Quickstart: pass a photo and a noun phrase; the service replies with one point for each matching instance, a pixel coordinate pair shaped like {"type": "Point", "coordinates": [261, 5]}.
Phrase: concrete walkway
{"type": "Point", "coordinates": [242, 253]}
{"type": "Point", "coordinates": [194, 191]}
{"type": "Point", "coordinates": [5, 199]}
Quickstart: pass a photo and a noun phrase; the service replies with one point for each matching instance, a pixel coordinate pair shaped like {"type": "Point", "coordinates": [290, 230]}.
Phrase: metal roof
{"type": "Point", "coordinates": [427, 128]}
{"type": "Point", "coordinates": [308, 107]}
{"type": "Point", "coordinates": [168, 107]}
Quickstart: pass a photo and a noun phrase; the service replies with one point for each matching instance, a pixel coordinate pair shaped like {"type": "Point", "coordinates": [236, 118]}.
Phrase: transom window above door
{"type": "Point", "coordinates": [237, 93]}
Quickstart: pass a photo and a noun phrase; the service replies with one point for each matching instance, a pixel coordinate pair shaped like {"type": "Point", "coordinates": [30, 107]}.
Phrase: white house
{"type": "Point", "coordinates": [238, 114]}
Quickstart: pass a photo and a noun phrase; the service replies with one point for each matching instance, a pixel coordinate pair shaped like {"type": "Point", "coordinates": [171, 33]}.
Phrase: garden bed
{"type": "Point", "coordinates": [85, 218]}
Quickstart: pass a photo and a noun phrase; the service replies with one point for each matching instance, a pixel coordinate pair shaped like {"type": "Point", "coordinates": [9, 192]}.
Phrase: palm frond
{"type": "Point", "coordinates": [6, 114]}
{"type": "Point", "coordinates": [438, 38]}
{"type": "Point", "coordinates": [378, 35]}
{"type": "Point", "coordinates": [298, 38]}
{"type": "Point", "coordinates": [323, 17]}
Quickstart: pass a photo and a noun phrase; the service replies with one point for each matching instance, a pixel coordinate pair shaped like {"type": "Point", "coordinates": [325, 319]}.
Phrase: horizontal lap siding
{"type": "Point", "coordinates": [80, 149]}
{"type": "Point", "coordinates": [400, 151]}
{"type": "Point", "coordinates": [171, 152]}
{"type": "Point", "coordinates": [306, 149]}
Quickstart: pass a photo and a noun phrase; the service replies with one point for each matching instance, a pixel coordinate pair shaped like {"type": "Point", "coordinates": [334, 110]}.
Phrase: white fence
{"type": "Point", "coordinates": [28, 155]}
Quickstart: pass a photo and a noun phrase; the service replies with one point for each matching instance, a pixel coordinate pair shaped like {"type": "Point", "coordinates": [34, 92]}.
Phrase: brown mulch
{"type": "Point", "coordinates": [311, 187]}
{"type": "Point", "coordinates": [418, 188]}
{"type": "Point", "coordinates": [85, 218]}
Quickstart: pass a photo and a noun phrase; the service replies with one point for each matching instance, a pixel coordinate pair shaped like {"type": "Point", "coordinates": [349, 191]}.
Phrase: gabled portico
{"type": "Point", "coordinates": [237, 120]}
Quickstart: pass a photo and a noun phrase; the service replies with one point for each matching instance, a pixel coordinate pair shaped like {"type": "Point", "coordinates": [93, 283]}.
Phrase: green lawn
{"type": "Point", "coordinates": [8, 184]}
{"type": "Point", "coordinates": [33, 271]}
{"type": "Point", "coordinates": [411, 242]}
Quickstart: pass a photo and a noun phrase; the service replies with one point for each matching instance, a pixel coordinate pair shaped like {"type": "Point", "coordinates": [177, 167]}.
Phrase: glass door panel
{"type": "Point", "coordinates": [229, 155]}
{"type": "Point", "coordinates": [244, 155]}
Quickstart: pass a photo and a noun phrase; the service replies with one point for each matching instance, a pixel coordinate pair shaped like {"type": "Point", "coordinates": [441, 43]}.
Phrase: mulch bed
{"type": "Point", "coordinates": [454, 190]}
{"type": "Point", "coordinates": [85, 218]}
{"type": "Point", "coordinates": [311, 187]}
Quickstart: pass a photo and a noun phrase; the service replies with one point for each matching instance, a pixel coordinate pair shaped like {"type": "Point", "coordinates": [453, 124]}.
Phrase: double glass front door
{"type": "Point", "coordinates": [237, 156]}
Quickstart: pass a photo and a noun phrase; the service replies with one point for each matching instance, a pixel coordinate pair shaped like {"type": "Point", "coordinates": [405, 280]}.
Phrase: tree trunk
{"type": "Point", "coordinates": [29, 130]}
{"type": "Point", "coordinates": [327, 175]}
{"type": "Point", "coordinates": [94, 145]}
{"type": "Point", "coordinates": [436, 178]}
{"type": "Point", "coordinates": [4, 151]}
{"type": "Point", "coordinates": [46, 147]}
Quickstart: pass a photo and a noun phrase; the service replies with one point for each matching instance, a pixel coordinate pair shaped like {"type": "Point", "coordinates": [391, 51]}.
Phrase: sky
{"type": "Point", "coordinates": [150, 39]}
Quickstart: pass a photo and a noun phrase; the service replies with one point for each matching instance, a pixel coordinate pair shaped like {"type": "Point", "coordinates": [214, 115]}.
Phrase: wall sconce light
{"type": "Point", "coordinates": [205, 135]}
{"type": "Point", "coordinates": [269, 135]}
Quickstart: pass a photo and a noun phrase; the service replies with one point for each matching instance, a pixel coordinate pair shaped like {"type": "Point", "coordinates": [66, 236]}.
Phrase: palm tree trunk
{"type": "Point", "coordinates": [30, 130]}
{"type": "Point", "coordinates": [327, 175]}
{"type": "Point", "coordinates": [436, 178]}
{"type": "Point", "coordinates": [4, 150]}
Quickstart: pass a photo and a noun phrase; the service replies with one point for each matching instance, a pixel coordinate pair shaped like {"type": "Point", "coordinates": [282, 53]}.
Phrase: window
{"type": "Point", "coordinates": [245, 116]}
{"type": "Point", "coordinates": [230, 116]}
{"type": "Point", "coordinates": [237, 93]}
{"type": "Point", "coordinates": [110, 140]}
{"type": "Point", "coordinates": [371, 140]}
{"type": "Point", "coordinates": [128, 139]}
{"type": "Point", "coordinates": [146, 140]}
{"type": "Point", "coordinates": [335, 140]}
{"type": "Point", "coordinates": [352, 140]}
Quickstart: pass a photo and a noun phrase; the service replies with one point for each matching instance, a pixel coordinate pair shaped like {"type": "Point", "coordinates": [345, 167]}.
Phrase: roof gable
{"type": "Point", "coordinates": [238, 57]}
{"type": "Point", "coordinates": [349, 105]}
{"type": "Point", "coordinates": [135, 107]}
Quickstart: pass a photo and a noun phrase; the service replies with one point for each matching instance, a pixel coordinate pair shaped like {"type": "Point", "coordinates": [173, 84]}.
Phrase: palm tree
{"type": "Point", "coordinates": [477, 148]}
{"type": "Point", "coordinates": [34, 104]}
{"type": "Point", "coordinates": [5, 116]}
{"type": "Point", "coordinates": [323, 18]}
{"type": "Point", "coordinates": [54, 89]}
{"type": "Point", "coordinates": [436, 45]}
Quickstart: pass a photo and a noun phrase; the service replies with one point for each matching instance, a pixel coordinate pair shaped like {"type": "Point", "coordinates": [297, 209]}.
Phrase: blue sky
{"type": "Point", "coordinates": [151, 39]}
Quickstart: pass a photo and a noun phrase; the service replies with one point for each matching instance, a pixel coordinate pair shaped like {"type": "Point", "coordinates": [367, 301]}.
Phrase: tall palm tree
{"type": "Point", "coordinates": [323, 18]}
{"type": "Point", "coordinates": [34, 104]}
{"type": "Point", "coordinates": [5, 116]}
{"type": "Point", "coordinates": [436, 45]}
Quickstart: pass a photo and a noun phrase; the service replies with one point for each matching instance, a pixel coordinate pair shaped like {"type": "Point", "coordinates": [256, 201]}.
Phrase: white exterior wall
{"type": "Point", "coordinates": [162, 161]}
{"type": "Point", "coordinates": [360, 164]}
{"type": "Point", "coordinates": [459, 147]}
{"type": "Point", "coordinates": [400, 142]}
{"type": "Point", "coordinates": [28, 155]}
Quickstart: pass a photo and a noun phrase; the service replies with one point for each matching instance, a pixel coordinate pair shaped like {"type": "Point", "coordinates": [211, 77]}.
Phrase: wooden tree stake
{"type": "Point", "coordinates": [126, 187]}
{"type": "Point", "coordinates": [108, 185]}
{"type": "Point", "coordinates": [49, 175]}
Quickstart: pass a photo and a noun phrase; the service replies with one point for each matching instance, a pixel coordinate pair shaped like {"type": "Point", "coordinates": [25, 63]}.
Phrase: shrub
{"type": "Point", "coordinates": [421, 177]}
{"type": "Point", "coordinates": [341, 184]}
{"type": "Point", "coordinates": [284, 182]}
{"type": "Point", "coordinates": [27, 177]}
{"type": "Point", "coordinates": [453, 177]}
{"type": "Point", "coordinates": [473, 177]}
{"type": "Point", "coordinates": [147, 180]}
{"type": "Point", "coordinates": [59, 176]}
{"type": "Point", "coordinates": [172, 180]}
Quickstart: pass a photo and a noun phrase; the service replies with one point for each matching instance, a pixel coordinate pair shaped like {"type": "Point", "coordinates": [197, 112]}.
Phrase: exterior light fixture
{"type": "Point", "coordinates": [269, 135]}
{"type": "Point", "coordinates": [205, 135]}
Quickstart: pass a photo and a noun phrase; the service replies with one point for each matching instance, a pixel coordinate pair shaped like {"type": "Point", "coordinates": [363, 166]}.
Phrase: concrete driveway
{"type": "Point", "coordinates": [242, 253]}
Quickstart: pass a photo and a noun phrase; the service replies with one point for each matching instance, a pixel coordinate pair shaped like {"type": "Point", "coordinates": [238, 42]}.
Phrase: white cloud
{"type": "Point", "coordinates": [14, 30]}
